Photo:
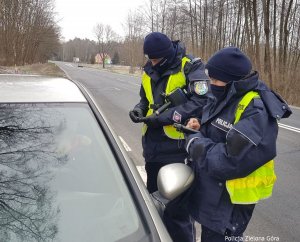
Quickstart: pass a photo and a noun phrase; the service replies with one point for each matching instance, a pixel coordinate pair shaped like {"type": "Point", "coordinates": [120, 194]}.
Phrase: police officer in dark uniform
{"type": "Point", "coordinates": [168, 69]}
{"type": "Point", "coordinates": [233, 154]}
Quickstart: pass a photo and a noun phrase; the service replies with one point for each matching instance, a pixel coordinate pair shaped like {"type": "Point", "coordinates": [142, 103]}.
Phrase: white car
{"type": "Point", "coordinates": [63, 173]}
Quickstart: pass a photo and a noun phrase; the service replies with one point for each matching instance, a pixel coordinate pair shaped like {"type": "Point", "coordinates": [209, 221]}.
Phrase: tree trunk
{"type": "Point", "coordinates": [274, 36]}
{"type": "Point", "coordinates": [267, 58]}
{"type": "Point", "coordinates": [257, 47]}
{"type": "Point", "coordinates": [192, 25]}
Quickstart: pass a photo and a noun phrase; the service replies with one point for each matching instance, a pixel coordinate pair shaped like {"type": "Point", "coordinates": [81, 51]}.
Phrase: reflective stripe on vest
{"type": "Point", "coordinates": [175, 80]}
{"type": "Point", "coordinates": [259, 184]}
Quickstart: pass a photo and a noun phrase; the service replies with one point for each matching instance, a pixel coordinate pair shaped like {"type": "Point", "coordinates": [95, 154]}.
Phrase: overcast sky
{"type": "Point", "coordinates": [77, 18]}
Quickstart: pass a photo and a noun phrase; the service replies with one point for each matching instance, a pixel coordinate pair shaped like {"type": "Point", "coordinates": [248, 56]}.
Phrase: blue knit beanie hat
{"type": "Point", "coordinates": [158, 45]}
{"type": "Point", "coordinates": [228, 64]}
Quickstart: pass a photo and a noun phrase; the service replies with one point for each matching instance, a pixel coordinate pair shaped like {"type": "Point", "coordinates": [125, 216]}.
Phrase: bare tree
{"type": "Point", "coordinates": [267, 57]}
{"type": "Point", "coordinates": [256, 34]}
{"type": "Point", "coordinates": [134, 39]}
{"type": "Point", "coordinates": [105, 36]}
{"type": "Point", "coordinates": [99, 33]}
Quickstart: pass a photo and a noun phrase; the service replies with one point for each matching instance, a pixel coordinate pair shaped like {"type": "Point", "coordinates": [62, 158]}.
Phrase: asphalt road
{"type": "Point", "coordinates": [276, 219]}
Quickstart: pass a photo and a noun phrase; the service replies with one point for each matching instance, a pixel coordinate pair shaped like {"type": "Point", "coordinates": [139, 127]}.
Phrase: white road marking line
{"type": "Point", "coordinates": [126, 146]}
{"type": "Point", "coordinates": [142, 171]}
{"type": "Point", "coordinates": [284, 126]}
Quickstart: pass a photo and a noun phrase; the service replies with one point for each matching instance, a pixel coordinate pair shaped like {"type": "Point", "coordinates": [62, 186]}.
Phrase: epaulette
{"type": "Point", "coordinates": [189, 64]}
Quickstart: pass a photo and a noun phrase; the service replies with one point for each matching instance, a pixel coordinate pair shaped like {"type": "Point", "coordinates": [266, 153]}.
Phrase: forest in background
{"type": "Point", "coordinates": [28, 32]}
{"type": "Point", "coordinates": [267, 30]}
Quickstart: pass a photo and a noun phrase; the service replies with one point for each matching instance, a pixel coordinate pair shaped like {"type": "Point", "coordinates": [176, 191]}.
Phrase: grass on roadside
{"type": "Point", "coordinates": [47, 69]}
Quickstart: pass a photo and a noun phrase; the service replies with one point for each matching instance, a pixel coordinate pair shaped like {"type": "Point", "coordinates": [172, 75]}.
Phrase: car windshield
{"type": "Point", "coordinates": [59, 178]}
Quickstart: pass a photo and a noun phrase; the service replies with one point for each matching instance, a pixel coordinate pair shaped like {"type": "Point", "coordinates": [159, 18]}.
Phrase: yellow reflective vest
{"type": "Point", "coordinates": [259, 184]}
{"type": "Point", "coordinates": [176, 80]}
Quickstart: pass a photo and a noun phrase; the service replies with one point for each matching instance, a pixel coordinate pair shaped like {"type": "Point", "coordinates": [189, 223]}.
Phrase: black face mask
{"type": "Point", "coordinates": [161, 66]}
{"type": "Point", "coordinates": [164, 63]}
{"type": "Point", "coordinates": [218, 91]}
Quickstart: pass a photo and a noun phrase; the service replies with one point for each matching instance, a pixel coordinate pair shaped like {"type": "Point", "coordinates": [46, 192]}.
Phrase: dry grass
{"type": "Point", "coordinates": [48, 69]}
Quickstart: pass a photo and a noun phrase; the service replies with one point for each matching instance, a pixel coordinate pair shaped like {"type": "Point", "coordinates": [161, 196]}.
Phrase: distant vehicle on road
{"type": "Point", "coordinates": [64, 175]}
{"type": "Point", "coordinates": [76, 59]}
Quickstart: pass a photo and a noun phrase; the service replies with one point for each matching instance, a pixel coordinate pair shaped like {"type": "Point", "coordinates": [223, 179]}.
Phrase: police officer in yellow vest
{"type": "Point", "coordinates": [233, 154]}
{"type": "Point", "coordinates": [167, 69]}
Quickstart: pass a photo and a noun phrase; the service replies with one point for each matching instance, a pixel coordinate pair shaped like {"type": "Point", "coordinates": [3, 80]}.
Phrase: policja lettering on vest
{"type": "Point", "coordinates": [224, 123]}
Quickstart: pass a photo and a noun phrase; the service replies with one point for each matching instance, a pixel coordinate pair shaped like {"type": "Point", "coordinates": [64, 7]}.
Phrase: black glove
{"type": "Point", "coordinates": [136, 114]}
{"type": "Point", "coordinates": [197, 150]}
{"type": "Point", "coordinates": [151, 120]}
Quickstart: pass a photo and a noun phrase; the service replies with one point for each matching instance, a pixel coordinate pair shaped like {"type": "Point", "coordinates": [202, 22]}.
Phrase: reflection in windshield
{"type": "Point", "coordinates": [26, 144]}
{"type": "Point", "coordinates": [58, 178]}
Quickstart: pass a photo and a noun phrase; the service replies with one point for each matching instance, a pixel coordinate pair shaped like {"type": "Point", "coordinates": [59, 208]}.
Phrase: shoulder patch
{"type": "Point", "coordinates": [200, 87]}
{"type": "Point", "coordinates": [176, 117]}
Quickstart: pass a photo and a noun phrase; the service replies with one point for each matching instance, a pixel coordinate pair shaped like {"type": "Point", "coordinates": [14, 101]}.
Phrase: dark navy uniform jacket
{"type": "Point", "coordinates": [157, 147]}
{"type": "Point", "coordinates": [215, 161]}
